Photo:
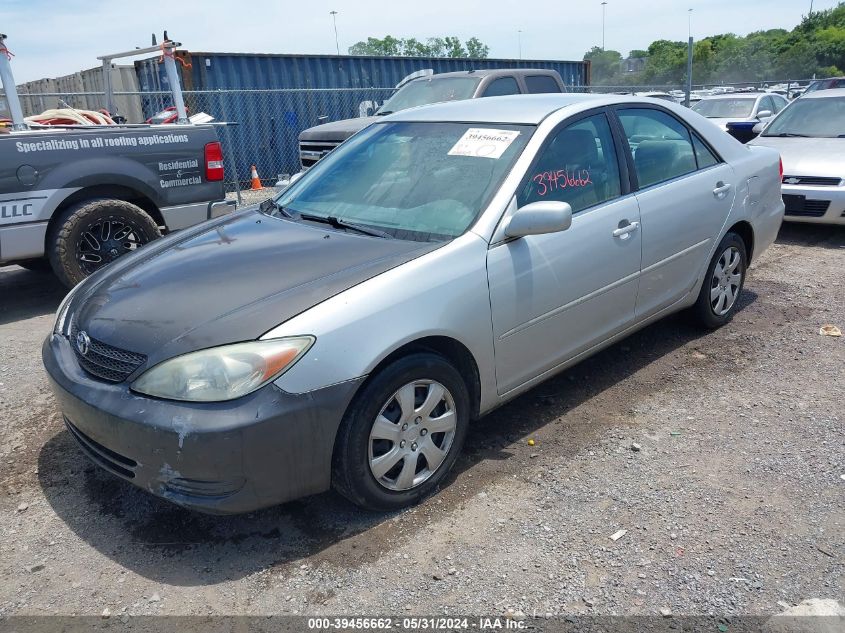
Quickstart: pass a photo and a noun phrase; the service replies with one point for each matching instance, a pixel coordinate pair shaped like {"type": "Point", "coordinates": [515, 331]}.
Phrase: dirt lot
{"type": "Point", "coordinates": [734, 502]}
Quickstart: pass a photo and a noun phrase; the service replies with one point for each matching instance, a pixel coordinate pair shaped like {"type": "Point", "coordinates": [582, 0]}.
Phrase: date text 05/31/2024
{"type": "Point", "coordinates": [415, 624]}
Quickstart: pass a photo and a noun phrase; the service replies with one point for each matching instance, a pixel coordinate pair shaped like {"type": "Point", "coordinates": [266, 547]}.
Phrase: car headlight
{"type": "Point", "coordinates": [222, 373]}
{"type": "Point", "coordinates": [61, 313]}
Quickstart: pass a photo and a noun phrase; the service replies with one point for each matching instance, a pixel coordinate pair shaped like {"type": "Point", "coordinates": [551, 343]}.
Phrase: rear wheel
{"type": "Point", "coordinates": [723, 283]}
{"type": "Point", "coordinates": [94, 233]}
{"type": "Point", "coordinates": [402, 433]}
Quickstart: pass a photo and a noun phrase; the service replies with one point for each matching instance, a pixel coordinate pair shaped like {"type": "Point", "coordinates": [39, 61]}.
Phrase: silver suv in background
{"type": "Point", "coordinates": [316, 142]}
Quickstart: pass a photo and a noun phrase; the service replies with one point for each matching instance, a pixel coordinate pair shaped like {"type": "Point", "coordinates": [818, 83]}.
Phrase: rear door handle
{"type": "Point", "coordinates": [721, 189]}
{"type": "Point", "coordinates": [626, 229]}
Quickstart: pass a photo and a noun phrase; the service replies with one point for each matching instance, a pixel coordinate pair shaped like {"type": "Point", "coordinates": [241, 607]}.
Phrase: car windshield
{"type": "Point", "coordinates": [416, 181]}
{"type": "Point", "coordinates": [819, 117]}
{"type": "Point", "coordinates": [430, 90]}
{"type": "Point", "coordinates": [725, 108]}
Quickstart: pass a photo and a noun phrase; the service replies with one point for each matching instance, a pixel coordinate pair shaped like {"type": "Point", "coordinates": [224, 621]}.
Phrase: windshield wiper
{"type": "Point", "coordinates": [270, 204]}
{"type": "Point", "coordinates": [384, 112]}
{"type": "Point", "coordinates": [789, 135]}
{"type": "Point", "coordinates": [343, 224]}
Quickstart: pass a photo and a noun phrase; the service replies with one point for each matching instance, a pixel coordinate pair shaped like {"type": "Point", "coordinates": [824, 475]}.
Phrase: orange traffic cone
{"type": "Point", "coordinates": [256, 181]}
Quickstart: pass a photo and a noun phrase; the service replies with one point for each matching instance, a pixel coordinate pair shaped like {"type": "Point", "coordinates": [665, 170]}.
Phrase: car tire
{"type": "Point", "coordinates": [73, 245]}
{"type": "Point", "coordinates": [723, 283]}
{"type": "Point", "coordinates": [377, 413]}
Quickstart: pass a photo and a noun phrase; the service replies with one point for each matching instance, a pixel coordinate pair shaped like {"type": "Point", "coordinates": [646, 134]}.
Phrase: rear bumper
{"type": "Point", "coordinates": [184, 215]}
{"type": "Point", "coordinates": [823, 205]}
{"type": "Point", "coordinates": [222, 458]}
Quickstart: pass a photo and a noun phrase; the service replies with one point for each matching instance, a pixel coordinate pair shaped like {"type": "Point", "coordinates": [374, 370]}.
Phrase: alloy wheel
{"type": "Point", "coordinates": [106, 239]}
{"type": "Point", "coordinates": [726, 281]}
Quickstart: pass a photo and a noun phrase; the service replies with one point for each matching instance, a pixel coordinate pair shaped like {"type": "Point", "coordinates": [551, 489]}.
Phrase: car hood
{"type": "Point", "coordinates": [808, 156]}
{"type": "Point", "coordinates": [228, 283]}
{"type": "Point", "coordinates": [337, 130]}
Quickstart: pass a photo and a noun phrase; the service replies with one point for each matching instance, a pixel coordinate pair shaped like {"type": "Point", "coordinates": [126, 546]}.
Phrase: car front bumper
{"type": "Point", "coordinates": [821, 205]}
{"type": "Point", "coordinates": [221, 458]}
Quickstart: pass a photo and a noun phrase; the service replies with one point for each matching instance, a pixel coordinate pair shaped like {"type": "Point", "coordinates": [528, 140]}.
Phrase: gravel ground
{"type": "Point", "coordinates": [718, 457]}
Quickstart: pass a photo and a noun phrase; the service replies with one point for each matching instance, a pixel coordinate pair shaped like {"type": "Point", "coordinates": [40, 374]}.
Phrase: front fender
{"type": "Point", "coordinates": [442, 293]}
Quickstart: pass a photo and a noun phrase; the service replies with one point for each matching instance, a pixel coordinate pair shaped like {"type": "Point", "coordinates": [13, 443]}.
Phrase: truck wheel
{"type": "Point", "coordinates": [94, 233]}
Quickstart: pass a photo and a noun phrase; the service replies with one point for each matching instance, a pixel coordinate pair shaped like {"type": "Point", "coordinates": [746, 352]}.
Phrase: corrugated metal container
{"type": "Point", "coordinates": [43, 94]}
{"type": "Point", "coordinates": [232, 71]}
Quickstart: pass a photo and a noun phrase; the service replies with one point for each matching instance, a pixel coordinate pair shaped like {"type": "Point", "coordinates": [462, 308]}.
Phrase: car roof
{"type": "Point", "coordinates": [516, 109]}
{"type": "Point", "coordinates": [735, 95]}
{"type": "Point", "coordinates": [491, 72]}
{"type": "Point", "coordinates": [823, 94]}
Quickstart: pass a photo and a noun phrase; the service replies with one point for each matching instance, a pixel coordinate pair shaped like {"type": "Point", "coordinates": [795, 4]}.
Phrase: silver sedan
{"type": "Point", "coordinates": [436, 265]}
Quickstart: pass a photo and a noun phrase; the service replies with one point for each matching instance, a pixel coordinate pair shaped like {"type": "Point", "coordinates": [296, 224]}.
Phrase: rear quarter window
{"type": "Point", "coordinates": [540, 84]}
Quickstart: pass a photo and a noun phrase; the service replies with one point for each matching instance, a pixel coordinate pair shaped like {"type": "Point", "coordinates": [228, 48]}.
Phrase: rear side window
{"type": "Point", "coordinates": [661, 145]}
{"type": "Point", "coordinates": [502, 86]}
{"type": "Point", "coordinates": [538, 84]}
{"type": "Point", "coordinates": [578, 166]}
{"type": "Point", "coordinates": [703, 156]}
{"type": "Point", "coordinates": [780, 103]}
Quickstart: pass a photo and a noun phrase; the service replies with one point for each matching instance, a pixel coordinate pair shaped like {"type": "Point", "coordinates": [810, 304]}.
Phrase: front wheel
{"type": "Point", "coordinates": [94, 233]}
{"type": "Point", "coordinates": [723, 283]}
{"type": "Point", "coordinates": [402, 433]}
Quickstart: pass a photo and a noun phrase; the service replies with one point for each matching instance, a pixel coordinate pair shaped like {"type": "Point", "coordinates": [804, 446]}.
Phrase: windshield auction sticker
{"type": "Point", "coordinates": [483, 143]}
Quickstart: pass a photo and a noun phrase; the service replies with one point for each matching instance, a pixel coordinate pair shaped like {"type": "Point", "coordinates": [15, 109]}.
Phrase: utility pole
{"type": "Point", "coordinates": [603, 14]}
{"type": "Point", "coordinates": [689, 58]}
{"type": "Point", "coordinates": [334, 21]}
{"type": "Point", "coordinates": [519, 42]}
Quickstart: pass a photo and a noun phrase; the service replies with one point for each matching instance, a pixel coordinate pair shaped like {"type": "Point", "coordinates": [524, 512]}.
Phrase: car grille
{"type": "Point", "coordinates": [106, 361]}
{"type": "Point", "coordinates": [799, 206]}
{"type": "Point", "coordinates": [105, 457]}
{"type": "Point", "coordinates": [819, 181]}
{"type": "Point", "coordinates": [312, 151]}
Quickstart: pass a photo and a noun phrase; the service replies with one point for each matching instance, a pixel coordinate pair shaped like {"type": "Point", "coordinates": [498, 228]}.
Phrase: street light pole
{"type": "Point", "coordinates": [519, 42]}
{"type": "Point", "coordinates": [334, 21]}
{"type": "Point", "coordinates": [689, 58]}
{"type": "Point", "coordinates": [603, 13]}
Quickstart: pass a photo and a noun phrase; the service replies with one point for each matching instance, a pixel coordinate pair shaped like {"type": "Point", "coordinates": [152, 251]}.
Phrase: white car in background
{"type": "Point", "coordinates": [740, 107]}
{"type": "Point", "coordinates": [810, 136]}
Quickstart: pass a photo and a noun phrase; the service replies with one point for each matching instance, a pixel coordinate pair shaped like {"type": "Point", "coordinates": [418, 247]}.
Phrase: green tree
{"type": "Point", "coordinates": [449, 46]}
{"type": "Point", "coordinates": [605, 66]}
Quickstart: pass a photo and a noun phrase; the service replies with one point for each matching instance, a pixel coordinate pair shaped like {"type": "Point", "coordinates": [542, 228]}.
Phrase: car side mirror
{"type": "Point", "coordinates": [758, 127]}
{"type": "Point", "coordinates": [764, 114]}
{"type": "Point", "coordinates": [538, 218]}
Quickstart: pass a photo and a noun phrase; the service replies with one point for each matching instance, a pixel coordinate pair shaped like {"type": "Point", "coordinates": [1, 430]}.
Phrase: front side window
{"type": "Point", "coordinates": [430, 90]}
{"type": "Point", "coordinates": [780, 104]}
{"type": "Point", "coordinates": [578, 166]}
{"type": "Point", "coordinates": [538, 84]}
{"type": "Point", "coordinates": [661, 145]}
{"type": "Point", "coordinates": [502, 86]}
{"type": "Point", "coordinates": [410, 180]}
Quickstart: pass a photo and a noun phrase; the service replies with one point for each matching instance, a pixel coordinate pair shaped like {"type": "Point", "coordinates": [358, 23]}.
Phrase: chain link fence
{"type": "Point", "coordinates": [262, 126]}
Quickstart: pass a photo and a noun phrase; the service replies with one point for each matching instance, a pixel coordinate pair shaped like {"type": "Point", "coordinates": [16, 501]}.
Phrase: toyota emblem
{"type": "Point", "coordinates": [83, 343]}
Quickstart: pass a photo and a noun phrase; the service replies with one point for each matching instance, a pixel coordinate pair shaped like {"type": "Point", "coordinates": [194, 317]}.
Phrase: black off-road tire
{"type": "Point", "coordinates": [63, 242]}
{"type": "Point", "coordinates": [351, 473]}
{"type": "Point", "coordinates": [703, 311]}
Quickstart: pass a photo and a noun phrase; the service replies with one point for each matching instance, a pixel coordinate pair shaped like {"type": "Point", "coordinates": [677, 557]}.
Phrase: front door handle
{"type": "Point", "coordinates": [721, 189]}
{"type": "Point", "coordinates": [625, 229]}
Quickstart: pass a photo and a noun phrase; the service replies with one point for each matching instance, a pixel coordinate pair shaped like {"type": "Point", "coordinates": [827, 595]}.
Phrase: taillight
{"type": "Point", "coordinates": [781, 169]}
{"type": "Point", "coordinates": [213, 161]}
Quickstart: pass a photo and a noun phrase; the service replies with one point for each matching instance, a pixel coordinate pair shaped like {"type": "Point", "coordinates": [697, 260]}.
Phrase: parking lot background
{"type": "Point", "coordinates": [732, 501]}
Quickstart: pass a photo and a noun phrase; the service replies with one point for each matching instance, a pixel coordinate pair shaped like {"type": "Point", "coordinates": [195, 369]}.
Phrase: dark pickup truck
{"type": "Point", "coordinates": [82, 197]}
{"type": "Point", "coordinates": [77, 197]}
{"type": "Point", "coordinates": [316, 142]}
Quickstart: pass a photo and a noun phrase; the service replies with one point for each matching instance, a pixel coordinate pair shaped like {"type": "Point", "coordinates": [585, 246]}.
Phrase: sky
{"type": "Point", "coordinates": [51, 38]}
